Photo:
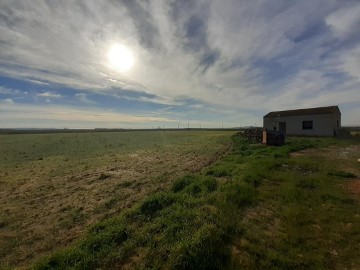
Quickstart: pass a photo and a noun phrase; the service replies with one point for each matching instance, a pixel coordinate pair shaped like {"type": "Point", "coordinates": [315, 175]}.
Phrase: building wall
{"type": "Point", "coordinates": [323, 124]}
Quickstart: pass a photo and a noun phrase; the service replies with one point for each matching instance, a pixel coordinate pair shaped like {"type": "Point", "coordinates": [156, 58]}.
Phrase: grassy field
{"type": "Point", "coordinates": [54, 185]}
{"type": "Point", "coordinates": [257, 207]}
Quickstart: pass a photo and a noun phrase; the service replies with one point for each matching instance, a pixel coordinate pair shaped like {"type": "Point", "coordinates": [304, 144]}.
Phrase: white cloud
{"type": "Point", "coordinates": [49, 95]}
{"type": "Point", "coordinates": [350, 62]}
{"type": "Point", "coordinates": [8, 91]}
{"type": "Point", "coordinates": [6, 101]}
{"type": "Point", "coordinates": [38, 82]}
{"type": "Point", "coordinates": [345, 20]}
{"type": "Point", "coordinates": [82, 97]}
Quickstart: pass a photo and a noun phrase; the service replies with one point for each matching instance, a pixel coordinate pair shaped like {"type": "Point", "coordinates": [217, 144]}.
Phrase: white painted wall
{"type": "Point", "coordinates": [323, 124]}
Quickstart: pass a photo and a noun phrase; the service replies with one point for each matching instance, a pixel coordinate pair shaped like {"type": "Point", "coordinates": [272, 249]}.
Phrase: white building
{"type": "Point", "coordinates": [322, 121]}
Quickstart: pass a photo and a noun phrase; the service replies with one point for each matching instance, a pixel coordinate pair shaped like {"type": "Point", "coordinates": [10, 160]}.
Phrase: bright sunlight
{"type": "Point", "coordinates": [120, 58]}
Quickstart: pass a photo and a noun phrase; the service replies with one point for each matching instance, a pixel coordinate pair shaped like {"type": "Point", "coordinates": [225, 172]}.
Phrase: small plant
{"type": "Point", "coordinates": [110, 203]}
{"type": "Point", "coordinates": [241, 195]}
{"type": "Point", "coordinates": [220, 170]}
{"type": "Point", "coordinates": [3, 224]}
{"type": "Point", "coordinates": [124, 184]}
{"type": "Point", "coordinates": [210, 184]}
{"type": "Point", "coordinates": [194, 189]}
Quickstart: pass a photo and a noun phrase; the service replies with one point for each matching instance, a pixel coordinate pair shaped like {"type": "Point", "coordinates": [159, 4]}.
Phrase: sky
{"type": "Point", "coordinates": [202, 63]}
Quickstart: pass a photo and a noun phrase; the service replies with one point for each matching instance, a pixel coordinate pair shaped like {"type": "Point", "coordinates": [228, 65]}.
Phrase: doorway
{"type": "Point", "coordinates": [282, 127]}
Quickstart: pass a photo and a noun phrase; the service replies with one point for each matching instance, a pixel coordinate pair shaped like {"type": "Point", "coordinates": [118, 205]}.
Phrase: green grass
{"type": "Point", "coordinates": [254, 209]}
{"type": "Point", "coordinates": [54, 186]}
{"type": "Point", "coordinates": [66, 153]}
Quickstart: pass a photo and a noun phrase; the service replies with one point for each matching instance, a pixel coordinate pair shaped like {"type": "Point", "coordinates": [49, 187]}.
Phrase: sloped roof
{"type": "Point", "coordinates": [318, 110]}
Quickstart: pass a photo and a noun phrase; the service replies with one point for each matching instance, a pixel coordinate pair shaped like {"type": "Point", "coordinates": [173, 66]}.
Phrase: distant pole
{"type": "Point", "coordinates": [200, 125]}
{"type": "Point", "coordinates": [163, 126]}
{"type": "Point", "coordinates": [188, 125]}
{"type": "Point", "coordinates": [222, 125]}
{"type": "Point", "coordinates": [178, 126]}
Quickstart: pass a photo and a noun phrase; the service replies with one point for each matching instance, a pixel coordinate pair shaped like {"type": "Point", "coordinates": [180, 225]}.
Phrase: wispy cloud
{"type": "Point", "coordinates": [6, 101]}
{"type": "Point", "coordinates": [82, 97]}
{"type": "Point", "coordinates": [8, 91]}
{"type": "Point", "coordinates": [49, 95]}
{"type": "Point", "coordinates": [12, 113]}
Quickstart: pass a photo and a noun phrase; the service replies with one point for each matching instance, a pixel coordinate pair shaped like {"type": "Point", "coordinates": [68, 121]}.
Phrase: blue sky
{"type": "Point", "coordinates": [206, 63]}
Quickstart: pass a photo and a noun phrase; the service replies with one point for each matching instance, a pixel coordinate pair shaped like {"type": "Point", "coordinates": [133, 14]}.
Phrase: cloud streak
{"type": "Point", "coordinates": [84, 118]}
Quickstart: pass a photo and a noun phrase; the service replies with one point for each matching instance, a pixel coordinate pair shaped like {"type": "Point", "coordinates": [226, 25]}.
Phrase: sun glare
{"type": "Point", "coordinates": [120, 58]}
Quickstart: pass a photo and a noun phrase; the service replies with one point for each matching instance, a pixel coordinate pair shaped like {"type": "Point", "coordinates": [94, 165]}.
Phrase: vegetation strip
{"type": "Point", "coordinates": [255, 208]}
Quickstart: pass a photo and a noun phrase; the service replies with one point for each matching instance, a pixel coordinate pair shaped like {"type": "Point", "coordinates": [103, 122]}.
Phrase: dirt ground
{"type": "Point", "coordinates": [346, 159]}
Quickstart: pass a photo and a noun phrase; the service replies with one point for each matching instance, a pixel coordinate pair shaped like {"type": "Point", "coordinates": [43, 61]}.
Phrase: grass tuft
{"type": "Point", "coordinates": [103, 176]}
{"type": "Point", "coordinates": [182, 183]}
{"type": "Point", "coordinates": [154, 204]}
{"type": "Point", "coordinates": [342, 174]}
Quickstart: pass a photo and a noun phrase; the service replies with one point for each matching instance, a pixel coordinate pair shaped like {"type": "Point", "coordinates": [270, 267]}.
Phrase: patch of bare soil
{"type": "Point", "coordinates": [353, 187]}
{"type": "Point", "coordinates": [346, 159]}
{"type": "Point", "coordinates": [332, 152]}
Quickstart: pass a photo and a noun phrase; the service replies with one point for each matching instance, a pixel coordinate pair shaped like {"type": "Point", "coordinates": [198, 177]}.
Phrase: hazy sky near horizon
{"type": "Point", "coordinates": [206, 62]}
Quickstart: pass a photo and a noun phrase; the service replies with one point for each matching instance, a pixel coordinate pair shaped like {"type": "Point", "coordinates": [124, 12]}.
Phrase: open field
{"type": "Point", "coordinates": [256, 207]}
{"type": "Point", "coordinates": [54, 185]}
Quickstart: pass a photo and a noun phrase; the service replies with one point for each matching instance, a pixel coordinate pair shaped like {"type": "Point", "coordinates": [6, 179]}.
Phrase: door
{"type": "Point", "coordinates": [282, 127]}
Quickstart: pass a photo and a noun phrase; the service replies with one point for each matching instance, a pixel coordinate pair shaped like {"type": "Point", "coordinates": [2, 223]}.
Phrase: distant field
{"type": "Point", "coordinates": [54, 185]}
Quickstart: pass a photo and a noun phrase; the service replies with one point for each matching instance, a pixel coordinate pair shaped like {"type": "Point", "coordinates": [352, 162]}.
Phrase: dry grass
{"type": "Point", "coordinates": [255, 208]}
{"type": "Point", "coordinates": [50, 191]}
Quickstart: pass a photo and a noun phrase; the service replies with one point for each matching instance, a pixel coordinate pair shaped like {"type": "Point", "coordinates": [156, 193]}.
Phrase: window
{"type": "Point", "coordinates": [307, 124]}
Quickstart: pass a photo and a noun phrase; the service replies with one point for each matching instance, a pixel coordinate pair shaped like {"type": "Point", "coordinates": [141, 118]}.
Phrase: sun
{"type": "Point", "coordinates": [120, 58]}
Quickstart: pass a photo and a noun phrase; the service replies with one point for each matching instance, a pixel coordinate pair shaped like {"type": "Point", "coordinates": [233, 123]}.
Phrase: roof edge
{"type": "Point", "coordinates": [307, 111]}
